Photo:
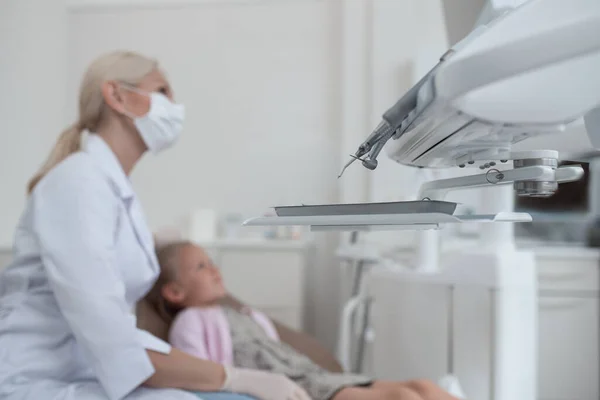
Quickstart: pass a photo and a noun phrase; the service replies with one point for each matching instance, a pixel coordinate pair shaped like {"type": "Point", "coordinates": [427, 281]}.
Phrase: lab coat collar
{"type": "Point", "coordinates": [108, 162]}
{"type": "Point", "coordinates": [101, 152]}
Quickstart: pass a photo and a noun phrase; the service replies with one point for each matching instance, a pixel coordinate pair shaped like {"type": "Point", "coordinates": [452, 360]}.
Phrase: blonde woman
{"type": "Point", "coordinates": [83, 257]}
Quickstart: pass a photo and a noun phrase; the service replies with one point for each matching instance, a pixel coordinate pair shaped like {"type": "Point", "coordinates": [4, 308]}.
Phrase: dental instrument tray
{"type": "Point", "coordinates": [412, 215]}
{"type": "Point", "coordinates": [398, 207]}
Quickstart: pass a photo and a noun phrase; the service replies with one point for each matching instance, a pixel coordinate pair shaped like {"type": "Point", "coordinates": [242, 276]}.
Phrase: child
{"type": "Point", "coordinates": [188, 293]}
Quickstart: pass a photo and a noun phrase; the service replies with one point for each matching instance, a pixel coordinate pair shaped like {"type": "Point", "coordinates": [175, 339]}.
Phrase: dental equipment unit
{"type": "Point", "coordinates": [531, 71]}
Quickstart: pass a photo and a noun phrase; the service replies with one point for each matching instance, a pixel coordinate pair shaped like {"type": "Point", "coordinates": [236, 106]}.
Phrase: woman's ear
{"type": "Point", "coordinates": [173, 293]}
{"type": "Point", "coordinates": [113, 97]}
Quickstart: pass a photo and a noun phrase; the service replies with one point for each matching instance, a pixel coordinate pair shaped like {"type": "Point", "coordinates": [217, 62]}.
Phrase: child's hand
{"type": "Point", "coordinates": [263, 385]}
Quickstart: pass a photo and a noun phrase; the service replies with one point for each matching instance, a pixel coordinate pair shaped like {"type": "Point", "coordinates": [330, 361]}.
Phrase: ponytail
{"type": "Point", "coordinates": [67, 143]}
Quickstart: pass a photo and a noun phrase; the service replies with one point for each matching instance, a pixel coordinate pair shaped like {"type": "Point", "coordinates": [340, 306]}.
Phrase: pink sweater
{"type": "Point", "coordinates": [204, 333]}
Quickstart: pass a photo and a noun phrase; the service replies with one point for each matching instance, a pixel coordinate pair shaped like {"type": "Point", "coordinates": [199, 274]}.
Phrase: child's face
{"type": "Point", "coordinates": [199, 281]}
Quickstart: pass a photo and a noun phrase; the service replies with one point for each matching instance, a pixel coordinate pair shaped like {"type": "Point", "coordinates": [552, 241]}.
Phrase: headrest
{"type": "Point", "coordinates": [149, 320]}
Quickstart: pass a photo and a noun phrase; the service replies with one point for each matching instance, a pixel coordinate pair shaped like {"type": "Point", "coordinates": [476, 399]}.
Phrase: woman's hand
{"type": "Point", "coordinates": [263, 385]}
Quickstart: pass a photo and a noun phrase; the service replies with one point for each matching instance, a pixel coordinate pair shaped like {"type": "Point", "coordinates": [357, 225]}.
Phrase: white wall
{"type": "Point", "coordinates": [259, 85]}
{"type": "Point", "coordinates": [274, 91]}
{"type": "Point", "coordinates": [32, 78]}
{"type": "Point", "coordinates": [278, 93]}
{"type": "Point", "coordinates": [461, 16]}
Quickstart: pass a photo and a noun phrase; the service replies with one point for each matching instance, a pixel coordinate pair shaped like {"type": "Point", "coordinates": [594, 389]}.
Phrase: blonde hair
{"type": "Point", "coordinates": [123, 66]}
{"type": "Point", "coordinates": [168, 259]}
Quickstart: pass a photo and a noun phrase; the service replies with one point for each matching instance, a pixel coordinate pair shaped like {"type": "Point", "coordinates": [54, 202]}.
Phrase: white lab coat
{"type": "Point", "coordinates": [83, 256]}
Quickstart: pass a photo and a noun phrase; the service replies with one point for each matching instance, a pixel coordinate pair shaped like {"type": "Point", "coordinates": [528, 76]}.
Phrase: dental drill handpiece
{"type": "Point", "coordinates": [375, 141]}
{"type": "Point", "coordinates": [372, 146]}
{"type": "Point", "coordinates": [391, 121]}
{"type": "Point", "coordinates": [364, 148]}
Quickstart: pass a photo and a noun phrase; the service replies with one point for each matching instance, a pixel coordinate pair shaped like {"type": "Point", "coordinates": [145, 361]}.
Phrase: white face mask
{"type": "Point", "coordinates": [161, 126]}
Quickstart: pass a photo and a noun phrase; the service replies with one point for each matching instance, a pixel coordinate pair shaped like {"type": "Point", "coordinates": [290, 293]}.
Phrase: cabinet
{"type": "Point", "coordinates": [568, 334]}
{"type": "Point", "coordinates": [568, 348]}
{"type": "Point", "coordinates": [568, 316]}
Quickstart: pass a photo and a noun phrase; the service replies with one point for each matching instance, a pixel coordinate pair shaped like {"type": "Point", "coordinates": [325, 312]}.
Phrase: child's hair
{"type": "Point", "coordinates": [168, 259]}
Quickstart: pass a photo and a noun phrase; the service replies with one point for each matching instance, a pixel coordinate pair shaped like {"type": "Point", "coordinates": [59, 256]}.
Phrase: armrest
{"type": "Point", "coordinates": [308, 346]}
{"type": "Point", "coordinates": [149, 320]}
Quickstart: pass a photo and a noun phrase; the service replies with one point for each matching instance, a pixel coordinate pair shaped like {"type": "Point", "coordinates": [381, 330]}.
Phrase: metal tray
{"type": "Point", "coordinates": [398, 207]}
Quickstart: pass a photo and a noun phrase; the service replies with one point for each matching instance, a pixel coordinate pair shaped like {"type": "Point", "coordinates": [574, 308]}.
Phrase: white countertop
{"type": "Point", "coordinates": [541, 249]}
{"type": "Point", "coordinates": [563, 251]}
{"type": "Point", "coordinates": [258, 244]}
{"type": "Point", "coordinates": [244, 243]}
{"type": "Point", "coordinates": [560, 250]}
